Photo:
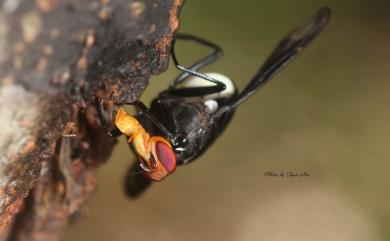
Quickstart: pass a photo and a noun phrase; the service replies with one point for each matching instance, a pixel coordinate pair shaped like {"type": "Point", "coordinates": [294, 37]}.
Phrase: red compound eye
{"type": "Point", "coordinates": [166, 156]}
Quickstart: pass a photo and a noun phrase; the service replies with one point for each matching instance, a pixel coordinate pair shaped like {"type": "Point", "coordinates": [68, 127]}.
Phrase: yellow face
{"type": "Point", "coordinates": [162, 160]}
{"type": "Point", "coordinates": [156, 156]}
{"type": "Point", "coordinates": [127, 124]}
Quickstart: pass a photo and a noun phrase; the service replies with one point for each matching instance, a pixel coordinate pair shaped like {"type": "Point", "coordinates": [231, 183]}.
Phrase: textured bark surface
{"type": "Point", "coordinates": [55, 57]}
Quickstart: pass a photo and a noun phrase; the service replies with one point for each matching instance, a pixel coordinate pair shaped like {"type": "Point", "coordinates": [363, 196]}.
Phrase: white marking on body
{"type": "Point", "coordinates": [199, 82]}
{"type": "Point", "coordinates": [211, 105]}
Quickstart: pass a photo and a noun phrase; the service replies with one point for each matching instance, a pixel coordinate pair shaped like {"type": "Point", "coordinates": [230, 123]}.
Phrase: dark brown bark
{"type": "Point", "coordinates": [55, 57]}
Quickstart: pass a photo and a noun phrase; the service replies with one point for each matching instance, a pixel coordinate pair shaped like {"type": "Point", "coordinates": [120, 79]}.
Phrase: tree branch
{"type": "Point", "coordinates": [55, 57]}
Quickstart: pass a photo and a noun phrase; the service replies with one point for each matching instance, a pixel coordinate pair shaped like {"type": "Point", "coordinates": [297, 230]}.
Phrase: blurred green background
{"type": "Point", "coordinates": [327, 113]}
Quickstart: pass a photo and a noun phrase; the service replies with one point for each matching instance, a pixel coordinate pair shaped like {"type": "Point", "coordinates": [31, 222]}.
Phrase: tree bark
{"type": "Point", "coordinates": [56, 56]}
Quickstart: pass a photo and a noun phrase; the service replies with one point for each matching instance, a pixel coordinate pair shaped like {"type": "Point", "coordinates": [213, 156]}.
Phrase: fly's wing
{"type": "Point", "coordinates": [287, 50]}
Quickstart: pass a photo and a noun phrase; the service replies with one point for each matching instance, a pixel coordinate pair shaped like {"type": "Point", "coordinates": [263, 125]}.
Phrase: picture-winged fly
{"type": "Point", "coordinates": [185, 119]}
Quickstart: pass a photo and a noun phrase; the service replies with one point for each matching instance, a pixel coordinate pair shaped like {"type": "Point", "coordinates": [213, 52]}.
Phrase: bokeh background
{"type": "Point", "coordinates": [327, 113]}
